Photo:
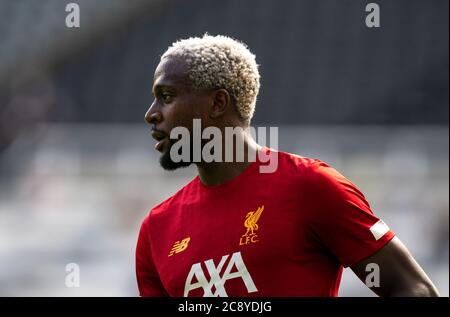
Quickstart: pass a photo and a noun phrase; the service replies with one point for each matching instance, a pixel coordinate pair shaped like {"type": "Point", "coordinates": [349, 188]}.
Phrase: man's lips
{"type": "Point", "coordinates": [159, 145]}
{"type": "Point", "coordinates": [160, 137]}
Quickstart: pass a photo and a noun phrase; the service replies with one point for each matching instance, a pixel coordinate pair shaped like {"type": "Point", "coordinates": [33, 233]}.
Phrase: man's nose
{"type": "Point", "coordinates": [152, 116]}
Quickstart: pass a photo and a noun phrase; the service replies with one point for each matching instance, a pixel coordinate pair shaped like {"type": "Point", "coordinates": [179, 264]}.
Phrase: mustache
{"type": "Point", "coordinates": [162, 134]}
{"type": "Point", "coordinates": [159, 132]}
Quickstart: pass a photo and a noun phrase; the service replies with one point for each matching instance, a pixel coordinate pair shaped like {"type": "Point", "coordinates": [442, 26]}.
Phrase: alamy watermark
{"type": "Point", "coordinates": [373, 278]}
{"type": "Point", "coordinates": [212, 145]}
{"type": "Point", "coordinates": [73, 18]}
{"type": "Point", "coordinates": [373, 18]}
{"type": "Point", "coordinates": [73, 275]}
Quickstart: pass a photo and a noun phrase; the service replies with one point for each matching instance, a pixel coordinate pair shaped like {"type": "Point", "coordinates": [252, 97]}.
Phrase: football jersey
{"type": "Point", "coordinates": [286, 233]}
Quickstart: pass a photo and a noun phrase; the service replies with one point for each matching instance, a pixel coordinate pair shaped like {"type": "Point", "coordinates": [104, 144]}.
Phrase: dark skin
{"type": "Point", "coordinates": [177, 104]}
{"type": "Point", "coordinates": [400, 274]}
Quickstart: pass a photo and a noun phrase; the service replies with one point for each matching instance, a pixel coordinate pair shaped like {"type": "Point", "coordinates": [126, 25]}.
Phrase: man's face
{"type": "Point", "coordinates": [176, 104]}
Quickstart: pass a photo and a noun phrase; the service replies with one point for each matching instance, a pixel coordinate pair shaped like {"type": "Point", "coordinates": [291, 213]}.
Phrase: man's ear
{"type": "Point", "coordinates": [221, 102]}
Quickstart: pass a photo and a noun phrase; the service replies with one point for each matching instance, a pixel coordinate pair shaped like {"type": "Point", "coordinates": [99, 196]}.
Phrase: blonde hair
{"type": "Point", "coordinates": [221, 62]}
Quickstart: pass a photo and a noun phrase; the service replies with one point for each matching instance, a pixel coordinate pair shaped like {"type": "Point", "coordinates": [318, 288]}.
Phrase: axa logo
{"type": "Point", "coordinates": [179, 246]}
{"type": "Point", "coordinates": [215, 286]}
{"type": "Point", "coordinates": [251, 224]}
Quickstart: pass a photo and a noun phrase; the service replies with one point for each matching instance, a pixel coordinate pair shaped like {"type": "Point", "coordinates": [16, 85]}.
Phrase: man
{"type": "Point", "coordinates": [237, 231]}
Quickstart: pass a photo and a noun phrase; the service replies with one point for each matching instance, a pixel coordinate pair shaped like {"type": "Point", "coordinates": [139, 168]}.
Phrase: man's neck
{"type": "Point", "coordinates": [216, 173]}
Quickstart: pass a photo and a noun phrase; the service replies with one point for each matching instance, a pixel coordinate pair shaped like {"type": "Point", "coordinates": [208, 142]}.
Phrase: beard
{"type": "Point", "coordinates": [166, 161]}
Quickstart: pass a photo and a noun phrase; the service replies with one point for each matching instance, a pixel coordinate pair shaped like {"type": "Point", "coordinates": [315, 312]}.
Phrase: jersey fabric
{"type": "Point", "coordinates": [286, 233]}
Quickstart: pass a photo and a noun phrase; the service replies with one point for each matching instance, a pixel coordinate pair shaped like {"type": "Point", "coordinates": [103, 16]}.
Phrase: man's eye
{"type": "Point", "coordinates": [166, 97]}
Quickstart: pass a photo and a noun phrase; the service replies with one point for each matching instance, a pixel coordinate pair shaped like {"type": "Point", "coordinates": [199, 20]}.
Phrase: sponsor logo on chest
{"type": "Point", "coordinates": [211, 281]}
{"type": "Point", "coordinates": [235, 269]}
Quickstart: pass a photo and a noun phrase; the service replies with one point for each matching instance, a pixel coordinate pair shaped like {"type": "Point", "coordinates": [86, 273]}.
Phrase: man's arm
{"type": "Point", "coordinates": [400, 274]}
{"type": "Point", "coordinates": [149, 283]}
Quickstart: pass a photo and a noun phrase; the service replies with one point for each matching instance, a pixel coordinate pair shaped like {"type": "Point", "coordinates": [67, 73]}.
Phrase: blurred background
{"type": "Point", "coordinates": [78, 172]}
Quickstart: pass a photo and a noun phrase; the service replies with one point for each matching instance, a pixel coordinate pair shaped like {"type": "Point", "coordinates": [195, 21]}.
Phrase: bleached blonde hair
{"type": "Point", "coordinates": [216, 62]}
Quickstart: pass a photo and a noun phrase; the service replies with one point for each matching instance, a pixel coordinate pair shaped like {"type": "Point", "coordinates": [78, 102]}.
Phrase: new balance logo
{"type": "Point", "coordinates": [179, 246]}
{"type": "Point", "coordinates": [235, 264]}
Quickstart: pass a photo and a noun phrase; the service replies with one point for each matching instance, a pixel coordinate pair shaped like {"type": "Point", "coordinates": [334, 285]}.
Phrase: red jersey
{"type": "Point", "coordinates": [286, 233]}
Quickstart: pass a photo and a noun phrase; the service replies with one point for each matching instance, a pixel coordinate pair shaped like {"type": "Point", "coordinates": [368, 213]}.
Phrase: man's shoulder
{"type": "Point", "coordinates": [166, 205]}
{"type": "Point", "coordinates": [300, 171]}
{"type": "Point", "coordinates": [290, 162]}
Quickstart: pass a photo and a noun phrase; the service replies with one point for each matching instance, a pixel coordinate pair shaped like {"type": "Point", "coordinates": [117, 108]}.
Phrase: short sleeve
{"type": "Point", "coordinates": [149, 283]}
{"type": "Point", "coordinates": [340, 217]}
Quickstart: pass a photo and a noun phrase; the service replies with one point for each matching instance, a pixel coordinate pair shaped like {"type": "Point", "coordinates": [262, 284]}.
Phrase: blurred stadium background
{"type": "Point", "coordinates": [77, 168]}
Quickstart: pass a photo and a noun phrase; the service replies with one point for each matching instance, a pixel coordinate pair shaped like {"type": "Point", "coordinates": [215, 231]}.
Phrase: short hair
{"type": "Point", "coordinates": [219, 61]}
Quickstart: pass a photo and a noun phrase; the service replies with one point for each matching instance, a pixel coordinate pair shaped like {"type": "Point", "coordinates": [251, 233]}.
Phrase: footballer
{"type": "Point", "coordinates": [236, 231]}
